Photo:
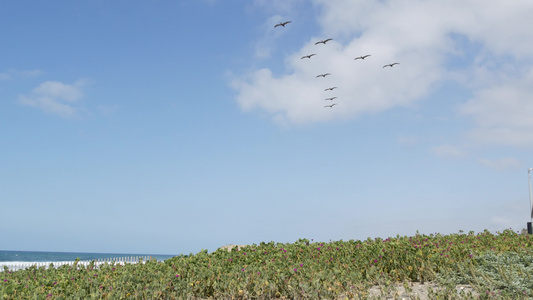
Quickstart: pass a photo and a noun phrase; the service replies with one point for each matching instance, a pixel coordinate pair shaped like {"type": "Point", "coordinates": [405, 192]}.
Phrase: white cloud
{"type": "Point", "coordinates": [503, 112]}
{"type": "Point", "coordinates": [421, 35]}
{"type": "Point", "coordinates": [55, 98]}
{"type": "Point", "coordinates": [363, 86]}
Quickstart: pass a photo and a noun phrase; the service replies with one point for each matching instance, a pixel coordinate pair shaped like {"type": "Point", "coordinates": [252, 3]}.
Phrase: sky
{"type": "Point", "coordinates": [168, 127]}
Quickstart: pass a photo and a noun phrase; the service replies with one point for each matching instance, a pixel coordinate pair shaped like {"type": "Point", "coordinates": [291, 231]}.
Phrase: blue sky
{"type": "Point", "coordinates": [175, 126]}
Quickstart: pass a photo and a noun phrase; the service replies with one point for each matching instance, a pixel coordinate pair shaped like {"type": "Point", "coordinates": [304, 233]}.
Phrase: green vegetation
{"type": "Point", "coordinates": [497, 266]}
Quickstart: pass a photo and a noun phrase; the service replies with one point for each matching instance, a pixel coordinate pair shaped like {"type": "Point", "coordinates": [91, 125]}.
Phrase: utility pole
{"type": "Point", "coordinates": [529, 226]}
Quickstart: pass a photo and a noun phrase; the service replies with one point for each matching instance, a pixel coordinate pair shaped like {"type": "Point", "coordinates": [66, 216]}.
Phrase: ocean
{"type": "Point", "coordinates": [11, 258]}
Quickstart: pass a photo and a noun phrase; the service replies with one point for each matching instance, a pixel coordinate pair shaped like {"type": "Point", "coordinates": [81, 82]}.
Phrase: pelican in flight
{"type": "Point", "coordinates": [330, 89]}
{"type": "Point", "coordinates": [323, 75]}
{"type": "Point", "coordinates": [362, 57]}
{"type": "Point", "coordinates": [331, 99]}
{"type": "Point", "coordinates": [331, 105]}
{"type": "Point", "coordinates": [308, 56]}
{"type": "Point", "coordinates": [282, 24]}
{"type": "Point", "coordinates": [323, 41]}
{"type": "Point", "coordinates": [391, 65]}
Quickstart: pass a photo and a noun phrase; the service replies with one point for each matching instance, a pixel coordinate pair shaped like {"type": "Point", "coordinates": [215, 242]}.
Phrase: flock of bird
{"type": "Point", "coordinates": [282, 24]}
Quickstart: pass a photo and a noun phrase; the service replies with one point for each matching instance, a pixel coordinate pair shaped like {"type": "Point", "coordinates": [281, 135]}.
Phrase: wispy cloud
{"type": "Point", "coordinates": [55, 98]}
{"type": "Point", "coordinates": [509, 214]}
{"type": "Point", "coordinates": [19, 74]}
{"type": "Point", "coordinates": [267, 43]}
{"type": "Point", "coordinates": [408, 140]}
{"type": "Point", "coordinates": [448, 151]}
{"type": "Point", "coordinates": [108, 109]}
{"type": "Point", "coordinates": [501, 164]}
{"type": "Point", "coordinates": [279, 6]}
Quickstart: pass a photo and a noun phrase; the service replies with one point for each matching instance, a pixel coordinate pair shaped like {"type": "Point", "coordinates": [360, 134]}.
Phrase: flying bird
{"type": "Point", "coordinates": [332, 98]}
{"type": "Point", "coordinates": [331, 105]}
{"type": "Point", "coordinates": [362, 57]}
{"type": "Point", "coordinates": [323, 41]}
{"type": "Point", "coordinates": [282, 24]}
{"type": "Point", "coordinates": [323, 75]}
{"type": "Point", "coordinates": [330, 89]}
{"type": "Point", "coordinates": [308, 56]}
{"type": "Point", "coordinates": [390, 65]}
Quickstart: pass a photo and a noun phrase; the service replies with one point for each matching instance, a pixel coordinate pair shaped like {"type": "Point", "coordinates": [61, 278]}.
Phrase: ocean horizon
{"type": "Point", "coordinates": [12, 257]}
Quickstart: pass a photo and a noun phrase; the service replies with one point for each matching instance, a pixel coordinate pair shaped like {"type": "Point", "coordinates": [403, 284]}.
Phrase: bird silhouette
{"type": "Point", "coordinates": [330, 89]}
{"type": "Point", "coordinates": [391, 65]}
{"type": "Point", "coordinates": [308, 56]}
{"type": "Point", "coordinates": [331, 105]}
{"type": "Point", "coordinates": [282, 24]}
{"type": "Point", "coordinates": [323, 41]}
{"type": "Point", "coordinates": [362, 57]}
{"type": "Point", "coordinates": [323, 75]}
{"type": "Point", "coordinates": [331, 99]}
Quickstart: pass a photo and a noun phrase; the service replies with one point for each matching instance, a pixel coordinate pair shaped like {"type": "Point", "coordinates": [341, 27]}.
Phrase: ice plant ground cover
{"type": "Point", "coordinates": [497, 265]}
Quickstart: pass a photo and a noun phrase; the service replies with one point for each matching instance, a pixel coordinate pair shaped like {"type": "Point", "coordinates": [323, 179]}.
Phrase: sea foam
{"type": "Point", "coordinates": [21, 265]}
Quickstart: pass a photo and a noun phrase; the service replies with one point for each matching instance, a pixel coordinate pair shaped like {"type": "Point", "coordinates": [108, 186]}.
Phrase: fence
{"type": "Point", "coordinates": [97, 263]}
